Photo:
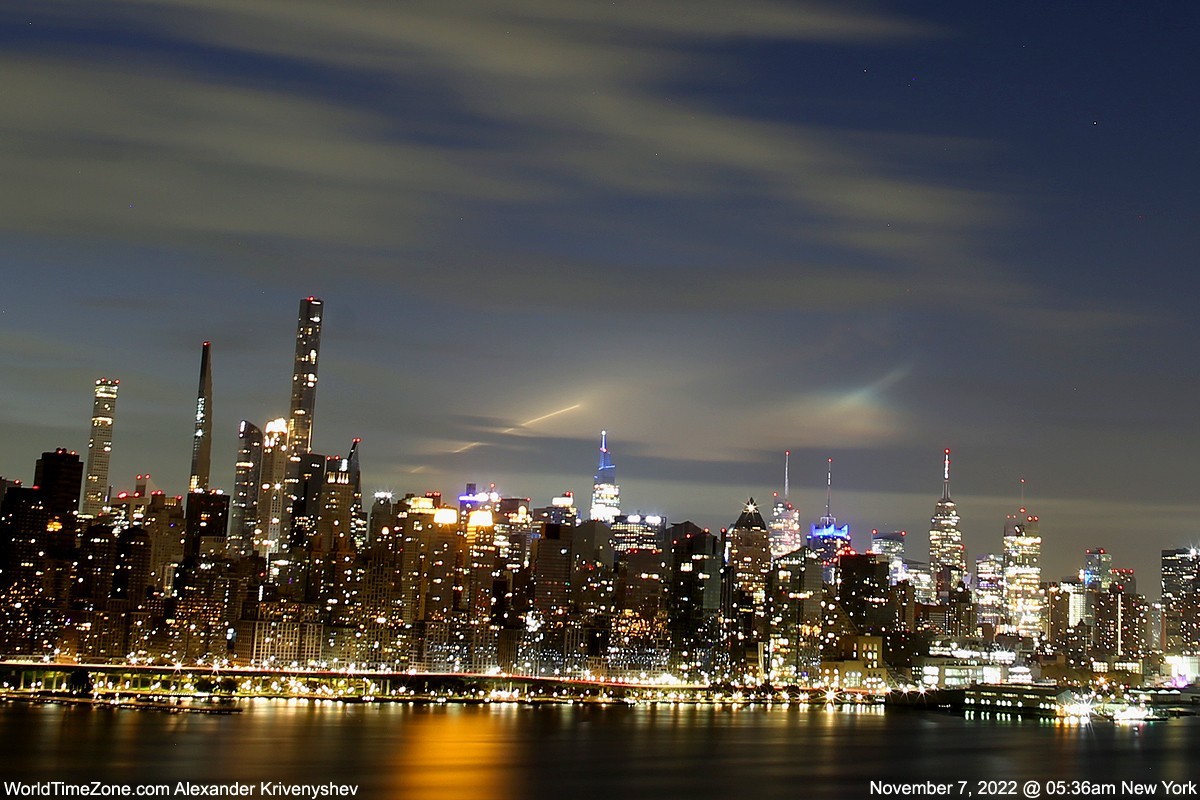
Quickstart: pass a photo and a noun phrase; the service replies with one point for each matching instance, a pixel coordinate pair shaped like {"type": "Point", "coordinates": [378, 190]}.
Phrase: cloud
{"type": "Point", "coordinates": [391, 138]}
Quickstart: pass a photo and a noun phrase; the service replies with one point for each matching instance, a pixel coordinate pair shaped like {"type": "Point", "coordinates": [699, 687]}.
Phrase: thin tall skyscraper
{"type": "Point", "coordinates": [95, 482]}
{"type": "Point", "coordinates": [274, 507]}
{"type": "Point", "coordinates": [202, 440]}
{"type": "Point", "coordinates": [947, 555]}
{"type": "Point", "coordinates": [304, 376]}
{"type": "Point", "coordinates": [358, 516]}
{"type": "Point", "coordinates": [606, 494]}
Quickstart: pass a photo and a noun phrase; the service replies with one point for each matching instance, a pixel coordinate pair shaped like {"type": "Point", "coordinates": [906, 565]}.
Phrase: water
{"type": "Point", "coordinates": [510, 752]}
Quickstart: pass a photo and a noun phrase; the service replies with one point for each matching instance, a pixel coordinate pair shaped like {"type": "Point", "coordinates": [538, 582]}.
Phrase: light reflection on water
{"type": "Point", "coordinates": [506, 752]}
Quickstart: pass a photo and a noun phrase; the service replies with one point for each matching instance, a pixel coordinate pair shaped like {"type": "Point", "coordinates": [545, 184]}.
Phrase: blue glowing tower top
{"type": "Point", "coordinates": [607, 471]}
{"type": "Point", "coordinates": [825, 538]}
{"type": "Point", "coordinates": [606, 494]}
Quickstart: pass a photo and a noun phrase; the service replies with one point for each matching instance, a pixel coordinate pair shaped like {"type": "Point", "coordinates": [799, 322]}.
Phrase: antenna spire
{"type": "Point", "coordinates": [828, 486]}
{"type": "Point", "coordinates": [946, 476]}
{"type": "Point", "coordinates": [1022, 495]}
{"type": "Point", "coordinates": [787, 455]}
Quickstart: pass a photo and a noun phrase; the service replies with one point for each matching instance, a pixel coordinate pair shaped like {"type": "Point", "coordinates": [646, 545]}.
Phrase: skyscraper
{"type": "Point", "coordinates": [304, 376]}
{"type": "Point", "coordinates": [989, 590]}
{"type": "Point", "coordinates": [694, 600]}
{"type": "Point", "coordinates": [95, 483]}
{"type": "Point", "coordinates": [1180, 599]}
{"type": "Point", "coordinates": [606, 494]}
{"type": "Point", "coordinates": [1023, 600]}
{"type": "Point", "coordinates": [1097, 569]}
{"type": "Point", "coordinates": [358, 516]}
{"type": "Point", "coordinates": [273, 507]}
{"type": "Point", "coordinates": [786, 533]}
{"type": "Point", "coordinates": [748, 565]}
{"type": "Point", "coordinates": [891, 545]}
{"type": "Point", "coordinates": [202, 439]}
{"type": "Point", "coordinates": [58, 475]}
{"type": "Point", "coordinates": [246, 487]}
{"type": "Point", "coordinates": [947, 555]}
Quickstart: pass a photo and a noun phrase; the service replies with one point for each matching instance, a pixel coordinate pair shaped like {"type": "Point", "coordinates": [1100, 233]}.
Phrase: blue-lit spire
{"type": "Point", "coordinates": [606, 495]}
{"type": "Point", "coordinates": [606, 473]}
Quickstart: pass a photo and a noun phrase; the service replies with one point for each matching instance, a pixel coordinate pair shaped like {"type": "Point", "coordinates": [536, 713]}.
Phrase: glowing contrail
{"type": "Point", "coordinates": [527, 423]}
{"type": "Point", "coordinates": [524, 424]}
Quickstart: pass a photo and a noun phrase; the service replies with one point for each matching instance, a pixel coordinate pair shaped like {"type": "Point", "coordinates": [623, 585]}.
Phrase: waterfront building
{"type": "Point", "coordinates": [694, 601]}
{"type": "Point", "coordinates": [1181, 600]}
{"type": "Point", "coordinates": [1023, 598]}
{"type": "Point", "coordinates": [794, 597]}
{"type": "Point", "coordinates": [989, 591]}
{"type": "Point", "coordinates": [747, 564]}
{"type": "Point", "coordinates": [1122, 626]}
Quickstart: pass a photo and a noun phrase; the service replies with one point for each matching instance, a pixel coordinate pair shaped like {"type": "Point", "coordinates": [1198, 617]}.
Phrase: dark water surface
{"type": "Point", "coordinates": [511, 752]}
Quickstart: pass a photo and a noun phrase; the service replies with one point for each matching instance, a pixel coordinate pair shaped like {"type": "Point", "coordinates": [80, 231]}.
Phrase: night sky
{"type": "Point", "coordinates": [718, 230]}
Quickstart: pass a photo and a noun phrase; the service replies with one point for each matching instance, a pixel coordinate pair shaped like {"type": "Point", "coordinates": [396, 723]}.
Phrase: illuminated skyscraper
{"type": "Point", "coordinates": [333, 527]}
{"type": "Point", "coordinates": [202, 438]}
{"type": "Point", "coordinates": [947, 555]}
{"type": "Point", "coordinates": [786, 533]}
{"type": "Point", "coordinates": [794, 597]}
{"type": "Point", "coordinates": [246, 487]}
{"type": "Point", "coordinates": [606, 494]}
{"type": "Point", "coordinates": [637, 532]}
{"type": "Point", "coordinates": [989, 591]}
{"type": "Point", "coordinates": [274, 508]}
{"type": "Point", "coordinates": [748, 565]}
{"type": "Point", "coordinates": [358, 515]}
{"type": "Point", "coordinates": [561, 510]}
{"type": "Point", "coordinates": [95, 481]}
{"type": "Point", "coordinates": [1181, 600]}
{"type": "Point", "coordinates": [825, 539]}
{"type": "Point", "coordinates": [1097, 569]}
{"type": "Point", "coordinates": [891, 545]}
{"type": "Point", "coordinates": [1023, 600]}
{"type": "Point", "coordinates": [304, 376]}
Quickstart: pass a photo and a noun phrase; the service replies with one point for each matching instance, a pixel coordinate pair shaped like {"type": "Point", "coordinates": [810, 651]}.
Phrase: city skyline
{"type": "Point", "coordinates": [846, 232]}
{"type": "Point", "coordinates": [862, 537]}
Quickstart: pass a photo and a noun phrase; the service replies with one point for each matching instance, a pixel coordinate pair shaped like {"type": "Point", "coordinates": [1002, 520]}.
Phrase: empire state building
{"type": "Point", "coordinates": [947, 555]}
